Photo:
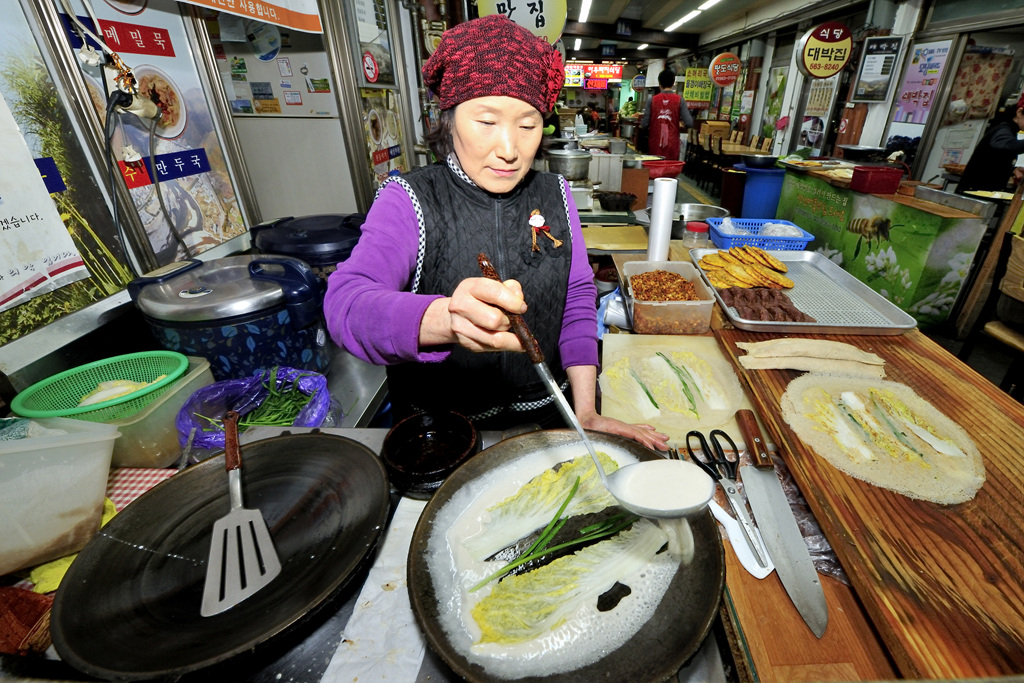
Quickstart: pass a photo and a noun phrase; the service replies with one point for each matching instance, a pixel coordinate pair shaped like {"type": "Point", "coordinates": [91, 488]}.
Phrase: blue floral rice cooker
{"type": "Point", "coordinates": [242, 313]}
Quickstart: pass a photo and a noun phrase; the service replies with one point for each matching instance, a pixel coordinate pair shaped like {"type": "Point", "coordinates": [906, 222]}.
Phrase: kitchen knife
{"type": "Point", "coordinates": [779, 529]}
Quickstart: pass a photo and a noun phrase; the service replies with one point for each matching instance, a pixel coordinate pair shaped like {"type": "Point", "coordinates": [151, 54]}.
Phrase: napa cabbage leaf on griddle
{"type": "Point", "coordinates": [528, 605]}
{"type": "Point", "coordinates": [532, 507]}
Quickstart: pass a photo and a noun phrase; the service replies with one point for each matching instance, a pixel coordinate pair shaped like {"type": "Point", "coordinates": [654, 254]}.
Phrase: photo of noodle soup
{"type": "Point", "coordinates": [156, 86]}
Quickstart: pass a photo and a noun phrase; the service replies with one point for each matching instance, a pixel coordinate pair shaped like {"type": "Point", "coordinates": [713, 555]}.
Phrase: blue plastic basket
{"type": "Point", "coordinates": [751, 237]}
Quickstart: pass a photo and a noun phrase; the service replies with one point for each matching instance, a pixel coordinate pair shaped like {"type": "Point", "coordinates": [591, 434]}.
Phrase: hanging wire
{"type": "Point", "coordinates": [124, 79]}
{"type": "Point", "coordinates": [108, 136]}
{"type": "Point", "coordinates": [159, 192]}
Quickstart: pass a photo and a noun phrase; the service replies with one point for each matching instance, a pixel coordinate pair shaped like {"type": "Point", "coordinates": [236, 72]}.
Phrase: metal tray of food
{"type": "Point", "coordinates": [839, 302]}
{"type": "Point", "coordinates": [805, 165]}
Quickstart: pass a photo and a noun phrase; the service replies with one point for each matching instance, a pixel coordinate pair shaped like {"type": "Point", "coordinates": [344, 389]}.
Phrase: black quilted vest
{"type": "Point", "coordinates": [458, 220]}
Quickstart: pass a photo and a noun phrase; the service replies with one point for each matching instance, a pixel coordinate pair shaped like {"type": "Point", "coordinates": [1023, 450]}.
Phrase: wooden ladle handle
{"type": "Point", "coordinates": [232, 453]}
{"type": "Point", "coordinates": [515, 320]}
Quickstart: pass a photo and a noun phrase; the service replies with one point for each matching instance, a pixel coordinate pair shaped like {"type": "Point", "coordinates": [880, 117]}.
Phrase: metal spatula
{"type": "Point", "coordinates": [242, 555]}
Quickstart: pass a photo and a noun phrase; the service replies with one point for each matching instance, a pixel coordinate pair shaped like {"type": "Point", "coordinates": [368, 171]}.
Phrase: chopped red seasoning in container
{"type": "Point", "coordinates": [661, 285]}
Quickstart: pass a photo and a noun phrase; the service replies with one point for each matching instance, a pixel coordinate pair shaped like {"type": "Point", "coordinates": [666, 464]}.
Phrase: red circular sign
{"type": "Point", "coordinates": [825, 50]}
{"type": "Point", "coordinates": [725, 69]}
{"type": "Point", "coordinates": [370, 68]}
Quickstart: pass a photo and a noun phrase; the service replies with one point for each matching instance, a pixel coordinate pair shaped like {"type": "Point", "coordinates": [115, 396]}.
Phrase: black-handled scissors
{"type": "Point", "coordinates": [713, 458]}
{"type": "Point", "coordinates": [717, 464]}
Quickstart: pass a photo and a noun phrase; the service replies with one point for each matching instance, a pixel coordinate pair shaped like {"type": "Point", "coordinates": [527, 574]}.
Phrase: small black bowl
{"type": "Point", "coordinates": [616, 201]}
{"type": "Point", "coordinates": [422, 450]}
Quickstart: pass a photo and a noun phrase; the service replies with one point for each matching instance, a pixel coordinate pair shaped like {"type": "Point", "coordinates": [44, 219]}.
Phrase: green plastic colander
{"type": "Point", "coordinates": [59, 396]}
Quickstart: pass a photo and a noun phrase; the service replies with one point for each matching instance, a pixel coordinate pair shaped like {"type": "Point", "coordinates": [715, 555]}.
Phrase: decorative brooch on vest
{"type": "Point", "coordinates": [537, 226]}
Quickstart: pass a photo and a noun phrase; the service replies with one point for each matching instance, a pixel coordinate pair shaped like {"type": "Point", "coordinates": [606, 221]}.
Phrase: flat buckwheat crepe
{"type": "Point", "coordinates": [885, 434]}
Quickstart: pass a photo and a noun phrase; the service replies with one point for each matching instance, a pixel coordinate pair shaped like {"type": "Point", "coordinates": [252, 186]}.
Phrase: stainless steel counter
{"type": "Point", "coordinates": [357, 386]}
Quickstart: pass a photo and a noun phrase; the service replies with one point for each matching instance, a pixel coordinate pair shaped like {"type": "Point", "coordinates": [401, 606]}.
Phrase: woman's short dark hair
{"type": "Point", "coordinates": [667, 78]}
{"type": "Point", "coordinates": [439, 139]}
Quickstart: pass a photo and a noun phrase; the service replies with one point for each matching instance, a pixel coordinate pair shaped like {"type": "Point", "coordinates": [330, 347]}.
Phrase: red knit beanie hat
{"type": "Point", "coordinates": [493, 55]}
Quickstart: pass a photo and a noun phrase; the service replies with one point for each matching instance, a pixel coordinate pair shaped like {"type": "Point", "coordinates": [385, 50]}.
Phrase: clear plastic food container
{"type": "Point", "coordinates": [150, 437]}
{"type": "Point", "coordinates": [669, 317]}
{"type": "Point", "coordinates": [51, 491]}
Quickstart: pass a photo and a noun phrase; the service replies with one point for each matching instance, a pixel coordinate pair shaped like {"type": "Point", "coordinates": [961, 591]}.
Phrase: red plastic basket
{"type": "Point", "coordinates": [876, 179]}
{"type": "Point", "coordinates": [664, 168]}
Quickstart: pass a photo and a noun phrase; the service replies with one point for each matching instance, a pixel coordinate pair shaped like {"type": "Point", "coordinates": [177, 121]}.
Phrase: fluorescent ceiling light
{"type": "Point", "coordinates": [576, 45]}
{"type": "Point", "coordinates": [584, 11]}
{"type": "Point", "coordinates": [709, 4]}
{"type": "Point", "coordinates": [682, 21]}
{"type": "Point", "coordinates": [642, 47]}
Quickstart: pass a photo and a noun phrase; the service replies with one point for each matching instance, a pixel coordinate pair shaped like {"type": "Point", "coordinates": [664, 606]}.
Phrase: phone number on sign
{"type": "Point", "coordinates": [819, 66]}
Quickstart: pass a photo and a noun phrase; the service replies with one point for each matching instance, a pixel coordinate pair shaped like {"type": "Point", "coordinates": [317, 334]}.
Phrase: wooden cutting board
{"type": "Point", "coordinates": [615, 237]}
{"type": "Point", "coordinates": [943, 585]}
{"type": "Point", "coordinates": [701, 346]}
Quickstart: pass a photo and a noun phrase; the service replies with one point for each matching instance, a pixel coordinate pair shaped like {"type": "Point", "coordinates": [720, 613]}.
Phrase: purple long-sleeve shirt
{"type": "Point", "coordinates": [371, 313]}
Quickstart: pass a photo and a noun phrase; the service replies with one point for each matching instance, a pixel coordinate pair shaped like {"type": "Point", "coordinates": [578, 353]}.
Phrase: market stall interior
{"type": "Point", "coordinates": [821, 326]}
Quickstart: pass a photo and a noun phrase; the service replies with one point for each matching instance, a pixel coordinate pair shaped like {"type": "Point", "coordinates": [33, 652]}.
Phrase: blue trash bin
{"type": "Point", "coordinates": [761, 191]}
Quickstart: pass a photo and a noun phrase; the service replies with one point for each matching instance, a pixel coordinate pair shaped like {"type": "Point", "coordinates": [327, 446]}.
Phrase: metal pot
{"type": "Point", "coordinates": [695, 212]}
{"type": "Point", "coordinates": [627, 129]}
{"type": "Point", "coordinates": [759, 160]}
{"type": "Point", "coordinates": [573, 164]}
{"type": "Point", "coordinates": [862, 153]}
{"type": "Point", "coordinates": [616, 146]}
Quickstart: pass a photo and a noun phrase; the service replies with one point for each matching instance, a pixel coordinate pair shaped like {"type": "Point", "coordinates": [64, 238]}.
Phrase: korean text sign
{"type": "Point", "coordinates": [921, 80]}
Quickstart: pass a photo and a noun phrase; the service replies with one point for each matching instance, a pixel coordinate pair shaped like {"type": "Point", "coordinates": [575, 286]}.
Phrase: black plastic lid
{"type": "Point", "coordinates": [320, 240]}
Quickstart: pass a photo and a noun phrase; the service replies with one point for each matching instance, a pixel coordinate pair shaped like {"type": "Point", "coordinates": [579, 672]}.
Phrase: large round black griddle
{"type": "Point", "coordinates": [128, 608]}
{"type": "Point", "coordinates": [659, 648]}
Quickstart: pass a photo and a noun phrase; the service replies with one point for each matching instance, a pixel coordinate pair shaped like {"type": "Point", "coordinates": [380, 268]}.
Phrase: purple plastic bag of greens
{"type": "Point", "coordinates": [245, 395]}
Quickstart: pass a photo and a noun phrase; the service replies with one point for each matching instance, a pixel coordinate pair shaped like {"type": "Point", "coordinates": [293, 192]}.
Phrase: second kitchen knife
{"type": "Point", "coordinates": [779, 529]}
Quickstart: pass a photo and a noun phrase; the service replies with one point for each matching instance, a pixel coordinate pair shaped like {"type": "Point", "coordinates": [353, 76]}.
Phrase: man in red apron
{"type": "Point", "coordinates": [662, 114]}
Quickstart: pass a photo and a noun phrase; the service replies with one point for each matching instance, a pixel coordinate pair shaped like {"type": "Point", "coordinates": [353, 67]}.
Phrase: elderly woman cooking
{"type": "Point", "coordinates": [411, 295]}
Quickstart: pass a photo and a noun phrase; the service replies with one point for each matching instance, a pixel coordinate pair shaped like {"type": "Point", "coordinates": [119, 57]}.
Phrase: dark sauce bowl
{"type": "Point", "coordinates": [422, 450]}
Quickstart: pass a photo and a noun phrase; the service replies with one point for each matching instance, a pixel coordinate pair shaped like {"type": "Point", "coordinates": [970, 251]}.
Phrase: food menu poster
{"type": "Point", "coordinates": [921, 80]}
{"type": "Point", "coordinates": [195, 186]}
{"type": "Point", "coordinates": [384, 140]}
{"type": "Point", "coordinates": [573, 76]}
{"type": "Point", "coordinates": [37, 255]}
{"type": "Point", "coordinates": [877, 67]}
{"type": "Point", "coordinates": [819, 97]}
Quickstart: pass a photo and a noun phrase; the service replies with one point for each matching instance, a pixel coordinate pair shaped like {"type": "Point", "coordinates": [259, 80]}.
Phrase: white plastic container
{"type": "Point", "coordinates": [150, 437]}
{"type": "Point", "coordinates": [51, 491]}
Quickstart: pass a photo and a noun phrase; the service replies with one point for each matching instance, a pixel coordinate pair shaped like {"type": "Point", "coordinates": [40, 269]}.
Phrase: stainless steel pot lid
{"type": "Point", "coordinates": [570, 153]}
{"type": "Point", "coordinates": [128, 609]}
{"type": "Point", "coordinates": [678, 626]}
{"type": "Point", "coordinates": [214, 290]}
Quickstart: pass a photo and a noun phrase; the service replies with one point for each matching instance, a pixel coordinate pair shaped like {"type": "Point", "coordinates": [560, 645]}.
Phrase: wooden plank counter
{"type": "Point", "coordinates": [943, 585]}
{"type": "Point", "coordinates": [777, 644]}
{"type": "Point", "coordinates": [769, 639]}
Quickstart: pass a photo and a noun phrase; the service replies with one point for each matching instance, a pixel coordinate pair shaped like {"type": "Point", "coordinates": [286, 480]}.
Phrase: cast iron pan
{"type": "Point", "coordinates": [659, 648]}
{"type": "Point", "coordinates": [128, 609]}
